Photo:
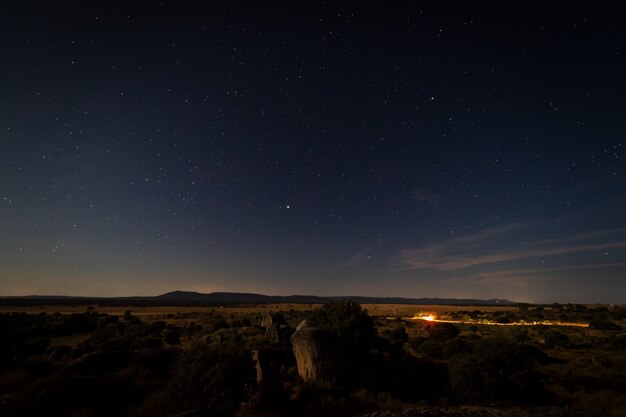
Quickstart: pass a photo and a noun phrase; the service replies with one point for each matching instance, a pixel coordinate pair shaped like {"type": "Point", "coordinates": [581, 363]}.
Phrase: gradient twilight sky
{"type": "Point", "coordinates": [329, 149]}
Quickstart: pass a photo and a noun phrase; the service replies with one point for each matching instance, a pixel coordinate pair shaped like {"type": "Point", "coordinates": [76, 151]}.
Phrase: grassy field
{"type": "Point", "coordinates": [155, 310]}
{"type": "Point", "coordinates": [373, 309]}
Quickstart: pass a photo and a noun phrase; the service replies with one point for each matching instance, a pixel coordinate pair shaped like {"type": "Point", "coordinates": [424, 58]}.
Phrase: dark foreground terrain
{"type": "Point", "coordinates": [333, 360]}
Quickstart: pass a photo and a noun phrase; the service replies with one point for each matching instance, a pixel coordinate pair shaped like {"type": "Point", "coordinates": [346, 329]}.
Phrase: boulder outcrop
{"type": "Point", "coordinates": [276, 328]}
{"type": "Point", "coordinates": [318, 356]}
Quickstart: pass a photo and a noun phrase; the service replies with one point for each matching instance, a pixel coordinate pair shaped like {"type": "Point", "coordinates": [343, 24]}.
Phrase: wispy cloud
{"type": "Point", "coordinates": [490, 234]}
{"type": "Point", "coordinates": [499, 245]}
{"type": "Point", "coordinates": [542, 273]}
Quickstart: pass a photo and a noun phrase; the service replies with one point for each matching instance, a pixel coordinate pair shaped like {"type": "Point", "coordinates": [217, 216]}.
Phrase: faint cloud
{"type": "Point", "coordinates": [498, 245]}
{"type": "Point", "coordinates": [490, 234]}
{"type": "Point", "coordinates": [544, 273]}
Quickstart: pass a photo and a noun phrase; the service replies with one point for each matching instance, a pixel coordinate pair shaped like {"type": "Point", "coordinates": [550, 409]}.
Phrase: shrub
{"type": "Point", "coordinates": [128, 315]}
{"type": "Point", "coordinates": [455, 346]}
{"type": "Point", "coordinates": [497, 369]}
{"type": "Point", "coordinates": [211, 379]}
{"type": "Point", "coordinates": [158, 325]}
{"type": "Point", "coordinates": [417, 342]}
{"type": "Point", "coordinates": [600, 324]}
{"type": "Point", "coordinates": [346, 320]}
{"type": "Point", "coordinates": [442, 331]}
{"type": "Point", "coordinates": [219, 324]}
{"type": "Point", "coordinates": [556, 339]}
{"type": "Point", "coordinates": [467, 380]}
{"type": "Point", "coordinates": [172, 334]}
{"type": "Point", "coordinates": [399, 334]}
{"type": "Point", "coordinates": [432, 348]}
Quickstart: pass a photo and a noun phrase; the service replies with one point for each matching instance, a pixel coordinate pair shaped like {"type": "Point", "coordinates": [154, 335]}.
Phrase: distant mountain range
{"type": "Point", "coordinates": [190, 298]}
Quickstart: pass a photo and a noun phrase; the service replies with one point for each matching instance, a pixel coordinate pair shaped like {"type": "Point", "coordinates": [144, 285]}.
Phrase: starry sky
{"type": "Point", "coordinates": [411, 149]}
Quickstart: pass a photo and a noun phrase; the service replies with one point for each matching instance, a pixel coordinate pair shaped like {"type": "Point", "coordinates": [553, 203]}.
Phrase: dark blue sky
{"type": "Point", "coordinates": [334, 148]}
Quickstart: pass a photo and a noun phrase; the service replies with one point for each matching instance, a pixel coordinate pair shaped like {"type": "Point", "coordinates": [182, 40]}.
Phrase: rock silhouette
{"type": "Point", "coordinates": [318, 356]}
{"type": "Point", "coordinates": [276, 328]}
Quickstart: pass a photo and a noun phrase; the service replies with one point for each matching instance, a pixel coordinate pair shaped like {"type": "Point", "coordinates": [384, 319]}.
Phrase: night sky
{"type": "Point", "coordinates": [332, 149]}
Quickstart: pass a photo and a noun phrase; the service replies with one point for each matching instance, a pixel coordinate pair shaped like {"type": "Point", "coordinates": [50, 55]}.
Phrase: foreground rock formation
{"type": "Point", "coordinates": [318, 356]}
{"type": "Point", "coordinates": [276, 328]}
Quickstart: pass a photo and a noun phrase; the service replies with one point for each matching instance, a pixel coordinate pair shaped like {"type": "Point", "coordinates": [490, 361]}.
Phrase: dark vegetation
{"type": "Point", "coordinates": [214, 364]}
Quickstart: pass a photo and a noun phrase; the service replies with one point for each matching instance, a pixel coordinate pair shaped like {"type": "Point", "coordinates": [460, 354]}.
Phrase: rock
{"type": "Point", "coordinates": [318, 357]}
{"type": "Point", "coordinates": [276, 328]}
{"type": "Point", "coordinates": [304, 323]}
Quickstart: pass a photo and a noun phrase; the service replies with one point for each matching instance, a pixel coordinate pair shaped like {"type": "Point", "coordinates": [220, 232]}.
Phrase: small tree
{"type": "Point", "coordinates": [127, 315]}
{"type": "Point", "coordinates": [346, 320]}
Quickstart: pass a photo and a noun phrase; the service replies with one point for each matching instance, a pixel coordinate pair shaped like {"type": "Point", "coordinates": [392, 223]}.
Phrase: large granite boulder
{"type": "Point", "coordinates": [319, 356]}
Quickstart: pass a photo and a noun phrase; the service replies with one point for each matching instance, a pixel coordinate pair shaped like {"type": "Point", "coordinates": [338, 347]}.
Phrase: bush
{"type": "Point", "coordinates": [497, 369]}
{"type": "Point", "coordinates": [455, 346]}
{"type": "Point", "coordinates": [467, 380]}
{"type": "Point", "coordinates": [600, 324]}
{"type": "Point", "coordinates": [399, 334]}
{"type": "Point", "coordinates": [172, 334]}
{"type": "Point", "coordinates": [212, 380]}
{"type": "Point", "coordinates": [417, 342]}
{"type": "Point", "coordinates": [431, 348]}
{"type": "Point", "coordinates": [556, 339]}
{"type": "Point", "coordinates": [442, 331]}
{"type": "Point", "coordinates": [219, 324]}
{"type": "Point", "coordinates": [346, 320]}
{"type": "Point", "coordinates": [618, 314]}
